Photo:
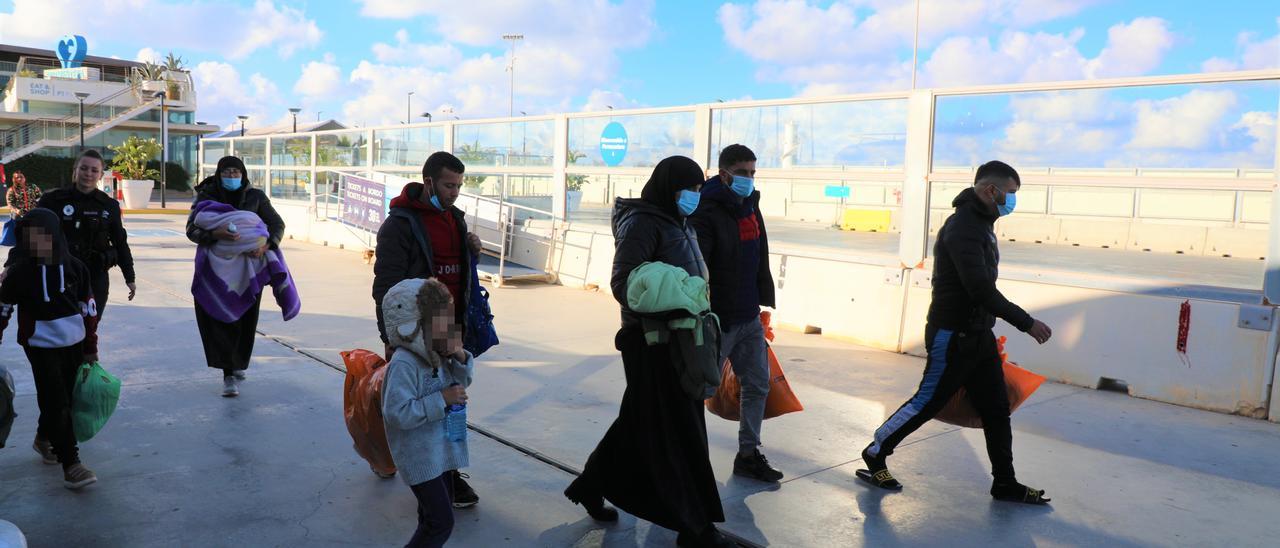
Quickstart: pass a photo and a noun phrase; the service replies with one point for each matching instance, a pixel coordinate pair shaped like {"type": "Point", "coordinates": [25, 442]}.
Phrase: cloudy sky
{"type": "Point", "coordinates": [356, 61]}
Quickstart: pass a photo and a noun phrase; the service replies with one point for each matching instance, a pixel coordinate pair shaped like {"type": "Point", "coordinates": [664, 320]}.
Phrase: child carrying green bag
{"type": "Point", "coordinates": [57, 323]}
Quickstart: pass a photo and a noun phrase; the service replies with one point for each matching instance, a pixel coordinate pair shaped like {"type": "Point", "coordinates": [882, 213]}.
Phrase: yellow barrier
{"type": "Point", "coordinates": [867, 220]}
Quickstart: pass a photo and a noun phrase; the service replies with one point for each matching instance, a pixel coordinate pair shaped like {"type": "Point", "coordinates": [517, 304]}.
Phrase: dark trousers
{"type": "Point", "coordinates": [957, 359]}
{"type": "Point", "coordinates": [435, 512]}
{"type": "Point", "coordinates": [228, 346]}
{"type": "Point", "coordinates": [100, 283]}
{"type": "Point", "coordinates": [55, 370]}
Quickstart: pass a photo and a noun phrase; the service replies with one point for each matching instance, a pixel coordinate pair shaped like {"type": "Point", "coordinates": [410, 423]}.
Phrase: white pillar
{"type": "Point", "coordinates": [702, 136]}
{"type": "Point", "coordinates": [913, 243]}
{"type": "Point", "coordinates": [560, 163]}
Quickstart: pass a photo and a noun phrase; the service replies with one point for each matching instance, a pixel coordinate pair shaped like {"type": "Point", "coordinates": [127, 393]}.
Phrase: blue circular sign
{"type": "Point", "coordinates": [613, 144]}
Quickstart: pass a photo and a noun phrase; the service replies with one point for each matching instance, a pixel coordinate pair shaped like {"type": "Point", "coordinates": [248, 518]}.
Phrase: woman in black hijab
{"type": "Point", "coordinates": [653, 461]}
{"type": "Point", "coordinates": [229, 346]}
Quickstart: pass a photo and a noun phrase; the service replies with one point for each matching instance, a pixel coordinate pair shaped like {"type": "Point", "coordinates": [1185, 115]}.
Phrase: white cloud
{"type": "Point", "coordinates": [225, 95]}
{"type": "Point", "coordinates": [602, 99]}
{"type": "Point", "coordinates": [39, 23]}
{"type": "Point", "coordinates": [569, 49]}
{"type": "Point", "coordinates": [1189, 121]}
{"type": "Point", "coordinates": [319, 80]}
{"type": "Point", "coordinates": [407, 52]}
{"type": "Point", "coordinates": [148, 55]}
{"type": "Point", "coordinates": [1255, 54]}
{"type": "Point", "coordinates": [1134, 48]}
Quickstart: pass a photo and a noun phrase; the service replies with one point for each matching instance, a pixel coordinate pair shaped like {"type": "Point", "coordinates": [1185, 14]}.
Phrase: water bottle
{"type": "Point", "coordinates": [455, 422]}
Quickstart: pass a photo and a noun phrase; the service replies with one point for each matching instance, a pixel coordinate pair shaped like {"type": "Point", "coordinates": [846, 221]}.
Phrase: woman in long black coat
{"type": "Point", "coordinates": [229, 346]}
{"type": "Point", "coordinates": [653, 461]}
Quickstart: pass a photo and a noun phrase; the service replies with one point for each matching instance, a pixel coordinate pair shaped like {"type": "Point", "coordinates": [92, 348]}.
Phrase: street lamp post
{"type": "Point", "coordinates": [427, 115]}
{"type": "Point", "coordinates": [80, 95]}
{"type": "Point", "coordinates": [318, 113]}
{"type": "Point", "coordinates": [513, 38]}
{"type": "Point", "coordinates": [242, 118]}
{"type": "Point", "coordinates": [294, 112]}
{"type": "Point", "coordinates": [408, 108]}
{"type": "Point", "coordinates": [164, 147]}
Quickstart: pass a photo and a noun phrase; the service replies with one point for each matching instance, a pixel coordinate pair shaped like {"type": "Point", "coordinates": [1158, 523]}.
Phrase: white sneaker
{"type": "Point", "coordinates": [238, 374]}
{"type": "Point", "coordinates": [229, 387]}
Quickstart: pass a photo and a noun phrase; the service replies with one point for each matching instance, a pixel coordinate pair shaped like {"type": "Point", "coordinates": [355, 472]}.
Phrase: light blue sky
{"type": "Point", "coordinates": [356, 61]}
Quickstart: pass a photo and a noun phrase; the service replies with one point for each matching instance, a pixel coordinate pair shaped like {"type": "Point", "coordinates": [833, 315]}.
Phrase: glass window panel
{"type": "Point", "coordinates": [291, 184]}
{"type": "Point", "coordinates": [650, 138]}
{"type": "Point", "coordinates": [408, 147]}
{"type": "Point", "coordinates": [505, 144]}
{"type": "Point", "coordinates": [251, 151]}
{"type": "Point", "coordinates": [822, 135]}
{"type": "Point", "coordinates": [1228, 125]}
{"type": "Point", "coordinates": [341, 149]}
{"type": "Point", "coordinates": [292, 151]}
{"type": "Point", "coordinates": [215, 149]}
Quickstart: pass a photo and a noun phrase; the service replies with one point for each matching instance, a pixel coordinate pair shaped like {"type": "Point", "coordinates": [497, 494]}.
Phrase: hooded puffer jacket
{"type": "Point", "coordinates": [644, 233]}
{"type": "Point", "coordinates": [55, 302]}
{"type": "Point", "coordinates": [245, 198]}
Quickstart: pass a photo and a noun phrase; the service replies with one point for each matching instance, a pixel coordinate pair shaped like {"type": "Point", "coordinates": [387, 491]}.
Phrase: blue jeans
{"type": "Point", "coordinates": [744, 345]}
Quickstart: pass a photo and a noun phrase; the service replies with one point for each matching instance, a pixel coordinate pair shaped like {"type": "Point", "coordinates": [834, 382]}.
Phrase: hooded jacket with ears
{"type": "Point", "coordinates": [245, 198]}
{"type": "Point", "coordinates": [651, 229]}
{"type": "Point", "coordinates": [400, 257]}
{"type": "Point", "coordinates": [413, 406]}
{"type": "Point", "coordinates": [966, 264]}
{"type": "Point", "coordinates": [55, 303]}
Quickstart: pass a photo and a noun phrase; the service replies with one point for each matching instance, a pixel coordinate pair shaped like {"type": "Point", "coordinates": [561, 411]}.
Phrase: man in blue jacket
{"type": "Point", "coordinates": [732, 238]}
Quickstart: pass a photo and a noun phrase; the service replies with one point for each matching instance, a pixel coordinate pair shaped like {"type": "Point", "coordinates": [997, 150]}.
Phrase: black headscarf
{"type": "Point", "coordinates": [212, 185]}
{"type": "Point", "coordinates": [49, 221]}
{"type": "Point", "coordinates": [670, 176]}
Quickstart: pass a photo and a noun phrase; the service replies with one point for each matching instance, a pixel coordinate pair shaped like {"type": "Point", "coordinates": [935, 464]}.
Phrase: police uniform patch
{"type": "Point", "coordinates": [68, 209]}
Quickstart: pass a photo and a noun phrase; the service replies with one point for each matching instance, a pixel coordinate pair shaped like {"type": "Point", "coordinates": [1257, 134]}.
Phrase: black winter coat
{"type": "Point", "coordinates": [399, 257]}
{"type": "Point", "coordinates": [718, 238]}
{"type": "Point", "coordinates": [93, 228]}
{"type": "Point", "coordinates": [644, 233]}
{"type": "Point", "coordinates": [966, 265]}
{"type": "Point", "coordinates": [247, 198]}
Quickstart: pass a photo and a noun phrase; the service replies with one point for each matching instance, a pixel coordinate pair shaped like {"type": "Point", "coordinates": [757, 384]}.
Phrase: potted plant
{"type": "Point", "coordinates": [131, 161]}
{"type": "Point", "coordinates": [150, 77]}
{"type": "Point", "coordinates": [573, 184]}
{"type": "Point", "coordinates": [172, 66]}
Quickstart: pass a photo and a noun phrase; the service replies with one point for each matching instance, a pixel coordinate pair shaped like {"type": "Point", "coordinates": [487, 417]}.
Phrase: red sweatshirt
{"type": "Point", "coordinates": [446, 243]}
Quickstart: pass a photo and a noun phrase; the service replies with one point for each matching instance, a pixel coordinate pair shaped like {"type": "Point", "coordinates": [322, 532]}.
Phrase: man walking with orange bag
{"type": "Point", "coordinates": [734, 244]}
{"type": "Point", "coordinates": [962, 350]}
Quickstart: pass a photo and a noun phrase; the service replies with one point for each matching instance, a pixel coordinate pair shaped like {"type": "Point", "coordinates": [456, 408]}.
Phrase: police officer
{"type": "Point", "coordinates": [92, 225]}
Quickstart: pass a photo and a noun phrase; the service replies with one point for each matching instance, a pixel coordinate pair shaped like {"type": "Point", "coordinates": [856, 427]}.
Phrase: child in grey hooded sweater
{"type": "Point", "coordinates": [428, 372]}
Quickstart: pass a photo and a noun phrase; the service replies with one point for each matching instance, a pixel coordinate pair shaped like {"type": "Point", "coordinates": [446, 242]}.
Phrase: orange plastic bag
{"type": "Point", "coordinates": [362, 408]}
{"type": "Point", "coordinates": [1019, 382]}
{"type": "Point", "coordinates": [726, 402]}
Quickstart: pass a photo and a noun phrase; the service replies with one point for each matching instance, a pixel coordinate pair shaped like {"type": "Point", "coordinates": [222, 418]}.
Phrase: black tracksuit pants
{"type": "Point", "coordinates": [957, 359]}
{"type": "Point", "coordinates": [55, 370]}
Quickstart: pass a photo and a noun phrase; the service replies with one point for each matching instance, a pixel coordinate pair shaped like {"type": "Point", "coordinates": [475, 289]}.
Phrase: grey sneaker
{"type": "Point", "coordinates": [238, 374]}
{"type": "Point", "coordinates": [230, 388]}
{"type": "Point", "coordinates": [77, 476]}
{"type": "Point", "coordinates": [46, 451]}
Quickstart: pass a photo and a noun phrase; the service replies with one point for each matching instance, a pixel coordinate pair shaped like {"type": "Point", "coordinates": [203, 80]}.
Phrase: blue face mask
{"type": "Point", "coordinates": [688, 202]}
{"type": "Point", "coordinates": [232, 184]}
{"type": "Point", "coordinates": [435, 201]}
{"type": "Point", "coordinates": [1010, 201]}
{"type": "Point", "coordinates": [743, 186]}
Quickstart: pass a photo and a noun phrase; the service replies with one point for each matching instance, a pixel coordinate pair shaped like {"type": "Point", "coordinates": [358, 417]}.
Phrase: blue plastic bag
{"type": "Point", "coordinates": [10, 235]}
{"type": "Point", "coordinates": [480, 334]}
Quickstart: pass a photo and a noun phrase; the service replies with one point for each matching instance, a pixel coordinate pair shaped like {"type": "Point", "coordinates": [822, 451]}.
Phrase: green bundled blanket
{"type": "Point", "coordinates": [658, 291]}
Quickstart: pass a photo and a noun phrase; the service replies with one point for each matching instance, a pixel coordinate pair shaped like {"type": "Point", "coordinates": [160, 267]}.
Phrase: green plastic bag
{"type": "Point", "coordinates": [93, 401]}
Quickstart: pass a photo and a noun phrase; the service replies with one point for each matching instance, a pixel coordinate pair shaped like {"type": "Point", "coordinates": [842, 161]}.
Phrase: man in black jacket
{"type": "Point", "coordinates": [425, 236]}
{"type": "Point", "coordinates": [733, 241]}
{"type": "Point", "coordinates": [962, 349]}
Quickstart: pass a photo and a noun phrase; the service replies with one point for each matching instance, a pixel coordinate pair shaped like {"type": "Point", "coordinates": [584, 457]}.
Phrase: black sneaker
{"type": "Point", "coordinates": [463, 495]}
{"type": "Point", "coordinates": [756, 467]}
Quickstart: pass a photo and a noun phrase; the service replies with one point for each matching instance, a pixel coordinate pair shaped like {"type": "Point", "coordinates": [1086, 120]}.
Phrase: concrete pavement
{"type": "Point", "coordinates": [179, 465]}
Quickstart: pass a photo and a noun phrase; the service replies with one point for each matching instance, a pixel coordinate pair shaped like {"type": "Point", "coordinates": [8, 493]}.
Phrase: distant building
{"type": "Point", "coordinates": [287, 127]}
{"type": "Point", "coordinates": [41, 106]}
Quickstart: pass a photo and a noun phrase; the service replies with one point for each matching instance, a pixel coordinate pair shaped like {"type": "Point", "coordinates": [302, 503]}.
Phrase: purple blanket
{"type": "Point", "coordinates": [227, 280]}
